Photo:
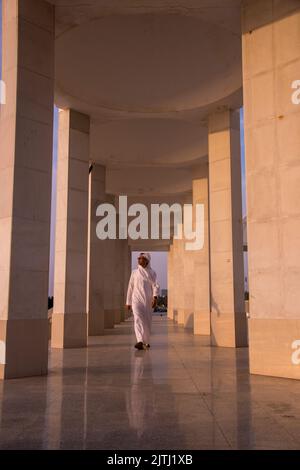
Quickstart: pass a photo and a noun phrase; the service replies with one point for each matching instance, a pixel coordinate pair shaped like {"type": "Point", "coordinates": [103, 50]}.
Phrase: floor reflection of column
{"type": "Point", "coordinates": [107, 382]}
{"type": "Point", "coordinates": [191, 376]}
{"type": "Point", "coordinates": [22, 413]}
{"type": "Point", "coordinates": [229, 398]}
{"type": "Point", "coordinates": [244, 437]}
{"type": "Point", "coordinates": [66, 410]}
{"type": "Point", "coordinates": [54, 404]}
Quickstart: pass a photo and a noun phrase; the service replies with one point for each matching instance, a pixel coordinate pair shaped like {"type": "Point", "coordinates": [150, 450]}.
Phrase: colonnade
{"type": "Point", "coordinates": [90, 276]}
{"type": "Point", "coordinates": [205, 288]}
{"type": "Point", "coordinates": [271, 63]}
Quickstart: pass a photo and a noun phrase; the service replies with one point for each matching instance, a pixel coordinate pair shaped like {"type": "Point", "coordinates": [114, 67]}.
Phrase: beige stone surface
{"type": "Point", "coordinates": [272, 150]}
{"type": "Point", "coordinates": [272, 130]}
{"type": "Point", "coordinates": [170, 311]}
{"type": "Point", "coordinates": [201, 260]}
{"type": "Point", "coordinates": [96, 253]}
{"type": "Point", "coordinates": [126, 277]}
{"type": "Point", "coordinates": [26, 133]}
{"type": "Point", "coordinates": [109, 318]}
{"type": "Point", "coordinates": [26, 347]}
{"type": "Point", "coordinates": [110, 269]}
{"type": "Point", "coordinates": [178, 281]}
{"type": "Point", "coordinates": [69, 330]}
{"type": "Point", "coordinates": [228, 319]}
{"type": "Point", "coordinates": [271, 349]}
{"type": "Point", "coordinates": [188, 287]}
{"type": "Point", "coordinates": [72, 214]}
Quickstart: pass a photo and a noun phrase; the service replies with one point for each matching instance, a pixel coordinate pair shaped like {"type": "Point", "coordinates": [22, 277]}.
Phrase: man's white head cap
{"type": "Point", "coordinates": [147, 256]}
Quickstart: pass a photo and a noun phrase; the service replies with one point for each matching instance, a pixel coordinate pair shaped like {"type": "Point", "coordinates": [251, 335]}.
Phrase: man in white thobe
{"type": "Point", "coordinates": [142, 293]}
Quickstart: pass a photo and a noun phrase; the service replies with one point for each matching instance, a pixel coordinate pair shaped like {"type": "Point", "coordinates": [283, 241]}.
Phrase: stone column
{"type": "Point", "coordinates": [201, 259]}
{"type": "Point", "coordinates": [178, 285]}
{"type": "Point", "coordinates": [96, 254]}
{"type": "Point", "coordinates": [170, 282]}
{"type": "Point", "coordinates": [126, 276]}
{"type": "Point", "coordinates": [188, 287]}
{"type": "Point", "coordinates": [69, 321]}
{"type": "Point", "coordinates": [26, 134]}
{"type": "Point", "coordinates": [120, 278]}
{"type": "Point", "coordinates": [126, 272]}
{"type": "Point", "coordinates": [118, 281]}
{"type": "Point", "coordinates": [228, 318]}
{"type": "Point", "coordinates": [271, 64]}
{"type": "Point", "coordinates": [109, 269]}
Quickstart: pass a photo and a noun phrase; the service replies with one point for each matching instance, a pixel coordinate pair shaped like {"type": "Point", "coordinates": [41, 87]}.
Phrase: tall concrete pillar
{"type": "Point", "coordinates": [96, 254]}
{"type": "Point", "coordinates": [228, 318]}
{"type": "Point", "coordinates": [122, 256]}
{"type": "Point", "coordinates": [109, 268]}
{"type": "Point", "coordinates": [188, 287]}
{"type": "Point", "coordinates": [126, 277]}
{"type": "Point", "coordinates": [26, 133]}
{"type": "Point", "coordinates": [109, 264]}
{"type": "Point", "coordinates": [69, 321]}
{"type": "Point", "coordinates": [201, 283]}
{"type": "Point", "coordinates": [118, 280]}
{"type": "Point", "coordinates": [271, 65]}
{"type": "Point", "coordinates": [178, 281]}
{"type": "Point", "coordinates": [170, 283]}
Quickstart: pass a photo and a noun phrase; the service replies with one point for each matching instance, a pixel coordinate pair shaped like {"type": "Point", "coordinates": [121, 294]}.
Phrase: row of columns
{"type": "Point", "coordinates": [206, 288]}
{"type": "Point", "coordinates": [85, 300]}
{"type": "Point", "coordinates": [271, 65]}
{"type": "Point", "coordinates": [90, 274]}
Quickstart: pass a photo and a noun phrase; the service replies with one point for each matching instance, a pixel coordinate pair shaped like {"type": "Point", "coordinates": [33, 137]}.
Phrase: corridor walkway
{"type": "Point", "coordinates": [181, 394]}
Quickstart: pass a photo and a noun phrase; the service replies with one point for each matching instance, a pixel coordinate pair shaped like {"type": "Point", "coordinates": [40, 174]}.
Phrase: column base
{"type": "Point", "coordinates": [229, 330]}
{"type": "Point", "coordinates": [123, 314]}
{"type": "Point", "coordinates": [271, 350]}
{"type": "Point", "coordinates": [69, 330]}
{"type": "Point", "coordinates": [25, 353]}
{"type": "Point", "coordinates": [117, 316]}
{"type": "Point", "coordinates": [109, 318]}
{"type": "Point", "coordinates": [96, 323]}
{"type": "Point", "coordinates": [170, 313]}
{"type": "Point", "coordinates": [188, 316]}
{"type": "Point", "coordinates": [180, 316]}
{"type": "Point", "coordinates": [201, 323]}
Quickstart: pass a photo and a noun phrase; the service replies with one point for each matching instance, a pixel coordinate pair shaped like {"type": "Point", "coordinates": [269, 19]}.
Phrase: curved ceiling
{"type": "Point", "coordinates": [148, 63]}
{"type": "Point", "coordinates": [149, 181]}
{"type": "Point", "coordinates": [148, 74]}
{"type": "Point", "coordinates": [148, 142]}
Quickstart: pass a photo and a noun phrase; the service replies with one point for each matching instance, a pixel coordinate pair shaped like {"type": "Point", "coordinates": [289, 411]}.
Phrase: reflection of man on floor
{"type": "Point", "coordinates": [140, 401]}
{"type": "Point", "coordinates": [142, 295]}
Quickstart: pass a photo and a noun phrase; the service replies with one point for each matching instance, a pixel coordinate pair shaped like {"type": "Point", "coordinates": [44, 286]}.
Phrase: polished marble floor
{"type": "Point", "coordinates": [181, 394]}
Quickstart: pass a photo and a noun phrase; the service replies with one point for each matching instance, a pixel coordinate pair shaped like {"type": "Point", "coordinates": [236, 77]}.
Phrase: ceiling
{"type": "Point", "coordinates": [148, 74]}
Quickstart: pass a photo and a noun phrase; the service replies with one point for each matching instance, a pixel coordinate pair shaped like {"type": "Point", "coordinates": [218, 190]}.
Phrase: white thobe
{"type": "Point", "coordinates": [142, 288]}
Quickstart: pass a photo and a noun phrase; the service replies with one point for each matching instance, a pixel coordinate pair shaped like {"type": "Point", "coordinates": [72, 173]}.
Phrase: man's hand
{"type": "Point", "coordinates": [128, 307]}
{"type": "Point", "coordinates": [154, 302]}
